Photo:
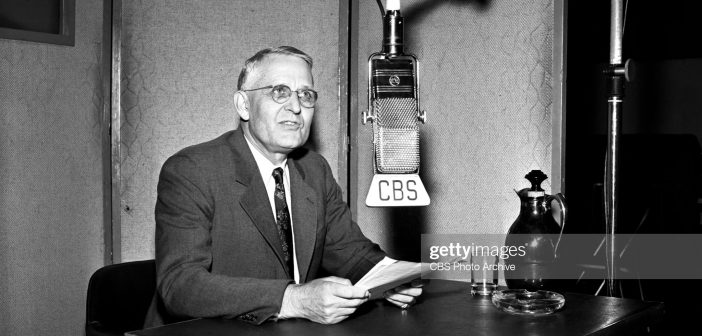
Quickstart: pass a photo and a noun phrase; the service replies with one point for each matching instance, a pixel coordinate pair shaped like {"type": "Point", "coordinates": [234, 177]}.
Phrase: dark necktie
{"type": "Point", "coordinates": [282, 219]}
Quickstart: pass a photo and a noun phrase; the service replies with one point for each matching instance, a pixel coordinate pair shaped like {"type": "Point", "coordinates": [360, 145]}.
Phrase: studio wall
{"type": "Point", "coordinates": [486, 85]}
{"type": "Point", "coordinates": [180, 64]}
{"type": "Point", "coordinates": [51, 187]}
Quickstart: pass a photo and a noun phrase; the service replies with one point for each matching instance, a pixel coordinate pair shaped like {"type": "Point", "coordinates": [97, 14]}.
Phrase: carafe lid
{"type": "Point", "coordinates": [536, 177]}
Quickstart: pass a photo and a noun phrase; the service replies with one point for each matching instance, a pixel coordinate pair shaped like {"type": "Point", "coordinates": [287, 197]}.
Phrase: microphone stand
{"type": "Point", "coordinates": [616, 74]}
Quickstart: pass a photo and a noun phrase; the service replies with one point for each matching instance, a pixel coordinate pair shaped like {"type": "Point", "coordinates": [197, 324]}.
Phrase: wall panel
{"type": "Point", "coordinates": [51, 210]}
{"type": "Point", "coordinates": [486, 85]}
{"type": "Point", "coordinates": [180, 63]}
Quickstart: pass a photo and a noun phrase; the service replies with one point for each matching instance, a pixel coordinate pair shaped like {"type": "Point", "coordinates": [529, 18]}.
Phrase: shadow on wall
{"type": "Point", "coordinates": [415, 13]}
{"type": "Point", "coordinates": [406, 224]}
{"type": "Point", "coordinates": [418, 11]}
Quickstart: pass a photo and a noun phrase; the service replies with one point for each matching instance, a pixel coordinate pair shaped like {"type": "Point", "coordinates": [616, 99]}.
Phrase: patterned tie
{"type": "Point", "coordinates": [282, 218]}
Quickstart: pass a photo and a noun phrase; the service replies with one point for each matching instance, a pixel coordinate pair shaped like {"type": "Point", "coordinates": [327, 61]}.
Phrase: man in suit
{"type": "Point", "coordinates": [228, 244]}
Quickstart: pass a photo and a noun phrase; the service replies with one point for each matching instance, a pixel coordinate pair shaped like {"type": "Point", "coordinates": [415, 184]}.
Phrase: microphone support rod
{"type": "Point", "coordinates": [616, 74]}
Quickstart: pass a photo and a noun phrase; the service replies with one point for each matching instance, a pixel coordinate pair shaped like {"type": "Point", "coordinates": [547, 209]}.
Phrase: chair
{"type": "Point", "coordinates": [119, 297]}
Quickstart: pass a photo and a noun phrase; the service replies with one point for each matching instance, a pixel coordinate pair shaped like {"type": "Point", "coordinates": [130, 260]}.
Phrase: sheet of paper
{"type": "Point", "coordinates": [377, 268]}
{"type": "Point", "coordinates": [389, 274]}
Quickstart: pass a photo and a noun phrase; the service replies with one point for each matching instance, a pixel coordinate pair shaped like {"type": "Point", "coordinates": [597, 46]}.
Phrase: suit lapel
{"type": "Point", "coordinates": [304, 215]}
{"type": "Point", "coordinates": [255, 201]}
{"type": "Point", "coordinates": [256, 204]}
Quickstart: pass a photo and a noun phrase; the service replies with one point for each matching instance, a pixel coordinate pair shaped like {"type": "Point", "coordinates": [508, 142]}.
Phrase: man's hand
{"type": "Point", "coordinates": [405, 295]}
{"type": "Point", "coordinates": [327, 300]}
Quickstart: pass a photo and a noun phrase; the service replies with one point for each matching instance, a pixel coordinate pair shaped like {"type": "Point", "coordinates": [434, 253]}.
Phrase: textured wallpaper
{"type": "Point", "coordinates": [485, 82]}
{"type": "Point", "coordinates": [180, 63]}
{"type": "Point", "coordinates": [51, 211]}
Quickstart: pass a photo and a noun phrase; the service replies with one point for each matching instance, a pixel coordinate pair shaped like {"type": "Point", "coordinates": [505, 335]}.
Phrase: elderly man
{"type": "Point", "coordinates": [248, 222]}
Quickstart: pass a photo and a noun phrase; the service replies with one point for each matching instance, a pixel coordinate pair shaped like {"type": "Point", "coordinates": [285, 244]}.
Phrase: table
{"type": "Point", "coordinates": [447, 308]}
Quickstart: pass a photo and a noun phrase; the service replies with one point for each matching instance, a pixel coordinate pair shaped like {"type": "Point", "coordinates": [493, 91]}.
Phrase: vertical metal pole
{"type": "Point", "coordinates": [611, 187]}
{"type": "Point", "coordinates": [615, 33]}
{"type": "Point", "coordinates": [614, 101]}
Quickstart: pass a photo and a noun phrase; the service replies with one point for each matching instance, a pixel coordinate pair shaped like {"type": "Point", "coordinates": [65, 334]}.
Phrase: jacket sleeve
{"type": "Point", "coordinates": [347, 252]}
{"type": "Point", "coordinates": [184, 214]}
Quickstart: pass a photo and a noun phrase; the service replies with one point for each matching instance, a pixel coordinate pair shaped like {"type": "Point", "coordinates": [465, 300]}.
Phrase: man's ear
{"type": "Point", "coordinates": [241, 105]}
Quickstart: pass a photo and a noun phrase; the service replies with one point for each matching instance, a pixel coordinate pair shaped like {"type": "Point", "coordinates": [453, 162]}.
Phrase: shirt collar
{"type": "Point", "coordinates": [265, 166]}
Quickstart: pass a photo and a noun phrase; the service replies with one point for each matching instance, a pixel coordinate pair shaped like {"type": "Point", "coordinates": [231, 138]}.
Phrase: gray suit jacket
{"type": "Point", "coordinates": [217, 245]}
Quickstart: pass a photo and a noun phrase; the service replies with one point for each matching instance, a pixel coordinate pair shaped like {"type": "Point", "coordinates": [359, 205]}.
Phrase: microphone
{"type": "Point", "coordinates": [393, 108]}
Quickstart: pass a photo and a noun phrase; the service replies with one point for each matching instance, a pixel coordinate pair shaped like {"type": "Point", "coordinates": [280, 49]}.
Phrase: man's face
{"type": "Point", "coordinates": [279, 128]}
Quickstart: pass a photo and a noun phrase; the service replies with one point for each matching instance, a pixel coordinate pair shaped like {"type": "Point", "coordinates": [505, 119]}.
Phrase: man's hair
{"type": "Point", "coordinates": [253, 62]}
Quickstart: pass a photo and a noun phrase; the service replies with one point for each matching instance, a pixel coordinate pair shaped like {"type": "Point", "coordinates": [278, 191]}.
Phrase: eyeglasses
{"type": "Point", "coordinates": [281, 93]}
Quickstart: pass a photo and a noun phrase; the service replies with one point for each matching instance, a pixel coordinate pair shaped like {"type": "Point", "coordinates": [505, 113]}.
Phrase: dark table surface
{"type": "Point", "coordinates": [447, 308]}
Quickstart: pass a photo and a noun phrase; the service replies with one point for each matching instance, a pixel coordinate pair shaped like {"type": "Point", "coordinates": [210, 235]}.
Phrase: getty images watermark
{"type": "Point", "coordinates": [568, 256]}
{"type": "Point", "coordinates": [459, 257]}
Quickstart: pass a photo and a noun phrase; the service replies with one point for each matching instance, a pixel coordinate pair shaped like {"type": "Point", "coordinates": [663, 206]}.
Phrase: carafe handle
{"type": "Point", "coordinates": [563, 216]}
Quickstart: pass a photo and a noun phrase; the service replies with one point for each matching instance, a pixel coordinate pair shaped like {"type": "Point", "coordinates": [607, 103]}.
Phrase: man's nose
{"type": "Point", "coordinates": [294, 104]}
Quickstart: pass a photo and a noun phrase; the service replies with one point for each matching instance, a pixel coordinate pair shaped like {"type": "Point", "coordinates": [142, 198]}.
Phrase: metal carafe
{"type": "Point", "coordinates": [537, 232]}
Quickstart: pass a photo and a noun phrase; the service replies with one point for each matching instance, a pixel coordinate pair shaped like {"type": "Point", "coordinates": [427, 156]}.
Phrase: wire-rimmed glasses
{"type": "Point", "coordinates": [281, 93]}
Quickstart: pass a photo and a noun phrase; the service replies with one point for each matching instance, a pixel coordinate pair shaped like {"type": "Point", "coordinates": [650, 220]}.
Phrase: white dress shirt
{"type": "Point", "coordinates": [266, 167]}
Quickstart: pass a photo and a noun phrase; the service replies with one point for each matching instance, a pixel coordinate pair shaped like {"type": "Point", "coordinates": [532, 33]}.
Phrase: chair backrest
{"type": "Point", "coordinates": [119, 297]}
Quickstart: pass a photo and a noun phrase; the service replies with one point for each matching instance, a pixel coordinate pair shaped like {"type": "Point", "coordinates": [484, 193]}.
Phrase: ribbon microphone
{"type": "Point", "coordinates": [393, 108]}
